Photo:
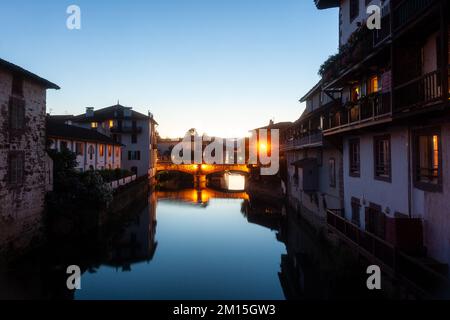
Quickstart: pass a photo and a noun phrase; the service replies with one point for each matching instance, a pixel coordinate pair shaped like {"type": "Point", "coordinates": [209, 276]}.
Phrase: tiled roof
{"type": "Point", "coordinates": [112, 112]}
{"type": "Point", "coordinates": [58, 129]}
{"type": "Point", "coordinates": [27, 74]}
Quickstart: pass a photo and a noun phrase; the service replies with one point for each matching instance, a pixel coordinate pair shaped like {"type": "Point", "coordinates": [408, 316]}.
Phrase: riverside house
{"type": "Point", "coordinates": [390, 118]}
{"type": "Point", "coordinates": [25, 168]}
{"type": "Point", "coordinates": [94, 151]}
{"type": "Point", "coordinates": [135, 131]}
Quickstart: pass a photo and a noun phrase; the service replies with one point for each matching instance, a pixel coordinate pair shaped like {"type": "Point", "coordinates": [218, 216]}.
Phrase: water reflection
{"type": "Point", "coordinates": [190, 244]}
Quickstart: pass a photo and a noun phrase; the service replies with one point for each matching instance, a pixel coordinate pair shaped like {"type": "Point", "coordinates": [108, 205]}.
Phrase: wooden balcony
{"type": "Point", "coordinates": [421, 92]}
{"type": "Point", "coordinates": [308, 140]}
{"type": "Point", "coordinates": [406, 11]}
{"type": "Point", "coordinates": [126, 129]}
{"type": "Point", "coordinates": [367, 111]}
{"type": "Point", "coordinates": [412, 271]}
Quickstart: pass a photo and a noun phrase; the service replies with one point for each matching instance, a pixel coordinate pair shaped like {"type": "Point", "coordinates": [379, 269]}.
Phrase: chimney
{"type": "Point", "coordinates": [89, 112]}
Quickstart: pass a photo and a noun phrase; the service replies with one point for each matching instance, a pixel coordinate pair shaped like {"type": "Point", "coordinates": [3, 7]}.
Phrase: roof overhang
{"type": "Point", "coordinates": [27, 74]}
{"type": "Point", "coordinates": [326, 4]}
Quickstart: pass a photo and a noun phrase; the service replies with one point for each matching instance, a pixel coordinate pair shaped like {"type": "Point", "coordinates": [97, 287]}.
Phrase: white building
{"type": "Point", "coordinates": [94, 151]}
{"type": "Point", "coordinates": [393, 122]}
{"type": "Point", "coordinates": [314, 166]}
{"type": "Point", "coordinates": [135, 131]}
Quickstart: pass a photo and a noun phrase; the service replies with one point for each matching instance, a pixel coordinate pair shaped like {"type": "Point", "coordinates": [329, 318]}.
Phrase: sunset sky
{"type": "Point", "coordinates": [221, 66]}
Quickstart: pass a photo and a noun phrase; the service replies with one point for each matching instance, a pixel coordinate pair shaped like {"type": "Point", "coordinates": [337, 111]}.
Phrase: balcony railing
{"type": "Point", "coordinates": [386, 255]}
{"type": "Point", "coordinates": [420, 91]}
{"type": "Point", "coordinates": [407, 10]}
{"type": "Point", "coordinates": [126, 129]}
{"type": "Point", "coordinates": [365, 111]}
{"type": "Point", "coordinates": [307, 140]}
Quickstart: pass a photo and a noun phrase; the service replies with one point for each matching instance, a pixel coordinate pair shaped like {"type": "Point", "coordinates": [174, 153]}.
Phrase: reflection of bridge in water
{"type": "Point", "coordinates": [199, 196]}
{"type": "Point", "coordinates": [202, 171]}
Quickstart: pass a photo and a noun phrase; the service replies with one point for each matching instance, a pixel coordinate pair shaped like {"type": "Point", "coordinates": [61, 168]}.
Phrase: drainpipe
{"type": "Point", "coordinates": [409, 174]}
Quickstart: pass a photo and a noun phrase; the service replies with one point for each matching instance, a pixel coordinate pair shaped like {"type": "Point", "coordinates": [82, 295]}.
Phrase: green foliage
{"type": "Point", "coordinates": [72, 189]}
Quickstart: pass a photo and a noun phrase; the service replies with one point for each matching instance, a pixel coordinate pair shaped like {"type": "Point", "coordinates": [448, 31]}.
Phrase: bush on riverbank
{"type": "Point", "coordinates": [72, 189]}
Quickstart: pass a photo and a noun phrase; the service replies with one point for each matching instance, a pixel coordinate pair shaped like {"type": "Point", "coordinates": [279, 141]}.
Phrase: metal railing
{"type": "Point", "coordinates": [368, 109]}
{"type": "Point", "coordinates": [308, 139]}
{"type": "Point", "coordinates": [391, 259]}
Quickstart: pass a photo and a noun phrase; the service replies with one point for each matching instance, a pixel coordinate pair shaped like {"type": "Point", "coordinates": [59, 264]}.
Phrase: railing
{"type": "Point", "coordinates": [405, 11]}
{"type": "Point", "coordinates": [383, 253]}
{"type": "Point", "coordinates": [126, 129]}
{"type": "Point", "coordinates": [420, 91]}
{"type": "Point", "coordinates": [309, 139]}
{"type": "Point", "coordinates": [121, 182]}
{"type": "Point", "coordinates": [366, 110]}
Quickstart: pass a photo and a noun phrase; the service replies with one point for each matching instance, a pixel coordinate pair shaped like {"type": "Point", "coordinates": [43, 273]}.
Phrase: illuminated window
{"type": "Point", "coordinates": [111, 123]}
{"type": "Point", "coordinates": [101, 150]}
{"type": "Point", "coordinates": [109, 151]}
{"type": "Point", "coordinates": [117, 152]}
{"type": "Point", "coordinates": [94, 125]}
{"type": "Point", "coordinates": [428, 164]}
{"type": "Point", "coordinates": [373, 85]}
{"type": "Point", "coordinates": [79, 148]}
{"type": "Point", "coordinates": [355, 93]}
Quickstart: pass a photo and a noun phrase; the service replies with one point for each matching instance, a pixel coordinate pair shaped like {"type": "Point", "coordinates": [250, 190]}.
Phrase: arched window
{"type": "Point", "coordinates": [91, 152]}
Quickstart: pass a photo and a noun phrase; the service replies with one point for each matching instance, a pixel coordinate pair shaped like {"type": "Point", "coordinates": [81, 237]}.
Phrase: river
{"type": "Point", "coordinates": [191, 244]}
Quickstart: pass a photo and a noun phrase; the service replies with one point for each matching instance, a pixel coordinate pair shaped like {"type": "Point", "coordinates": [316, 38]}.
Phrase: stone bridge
{"type": "Point", "coordinates": [201, 169]}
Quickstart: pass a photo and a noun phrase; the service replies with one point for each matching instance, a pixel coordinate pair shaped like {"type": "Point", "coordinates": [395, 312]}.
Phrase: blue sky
{"type": "Point", "coordinates": [221, 66]}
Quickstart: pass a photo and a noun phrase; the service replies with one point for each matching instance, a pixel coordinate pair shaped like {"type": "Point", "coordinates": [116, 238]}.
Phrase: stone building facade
{"type": "Point", "coordinates": [24, 164]}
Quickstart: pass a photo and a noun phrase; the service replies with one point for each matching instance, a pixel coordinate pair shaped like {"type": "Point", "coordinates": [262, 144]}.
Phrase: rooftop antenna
{"type": "Point", "coordinates": [118, 102]}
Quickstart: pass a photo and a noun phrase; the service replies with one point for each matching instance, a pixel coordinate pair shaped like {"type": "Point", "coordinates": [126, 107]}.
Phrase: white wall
{"type": "Point", "coordinates": [394, 194]}
{"type": "Point", "coordinates": [347, 27]}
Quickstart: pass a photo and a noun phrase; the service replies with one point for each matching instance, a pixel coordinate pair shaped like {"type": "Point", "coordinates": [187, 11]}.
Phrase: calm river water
{"type": "Point", "coordinates": [192, 245]}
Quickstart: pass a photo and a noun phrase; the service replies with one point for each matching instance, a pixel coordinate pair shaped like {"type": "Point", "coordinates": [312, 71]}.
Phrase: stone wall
{"type": "Point", "coordinates": [21, 208]}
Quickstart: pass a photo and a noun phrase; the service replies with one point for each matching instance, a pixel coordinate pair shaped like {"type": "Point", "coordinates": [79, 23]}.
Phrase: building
{"type": "Point", "coordinates": [135, 131]}
{"type": "Point", "coordinates": [314, 166]}
{"type": "Point", "coordinates": [24, 164]}
{"type": "Point", "coordinates": [94, 151]}
{"type": "Point", "coordinates": [392, 122]}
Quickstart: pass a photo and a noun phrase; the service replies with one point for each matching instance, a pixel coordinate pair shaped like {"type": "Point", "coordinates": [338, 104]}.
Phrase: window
{"type": "Point", "coordinates": [17, 86]}
{"type": "Point", "coordinates": [101, 150]}
{"type": "Point", "coordinates": [117, 152]}
{"type": "Point", "coordinates": [354, 158]}
{"type": "Point", "coordinates": [16, 168]}
{"type": "Point", "coordinates": [373, 85]}
{"type": "Point", "coordinates": [356, 206]}
{"type": "Point", "coordinates": [111, 123]}
{"type": "Point", "coordinates": [355, 93]}
{"type": "Point", "coordinates": [354, 9]}
{"type": "Point", "coordinates": [79, 148]}
{"type": "Point", "coordinates": [428, 159]}
{"type": "Point", "coordinates": [382, 155]}
{"type": "Point", "coordinates": [91, 152]}
{"type": "Point", "coordinates": [63, 146]}
{"type": "Point", "coordinates": [94, 125]}
{"type": "Point", "coordinates": [332, 168]}
{"type": "Point", "coordinates": [133, 138]}
{"type": "Point", "coordinates": [110, 151]}
{"type": "Point", "coordinates": [16, 114]}
{"type": "Point", "coordinates": [134, 155]}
